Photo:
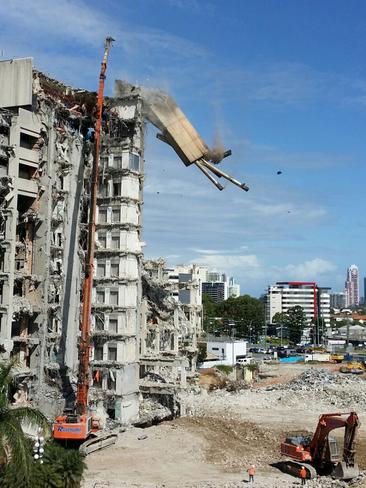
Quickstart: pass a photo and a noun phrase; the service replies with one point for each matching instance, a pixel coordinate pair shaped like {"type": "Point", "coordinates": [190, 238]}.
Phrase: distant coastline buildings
{"type": "Point", "coordinates": [217, 285]}
{"type": "Point", "coordinates": [234, 288]}
{"type": "Point", "coordinates": [352, 286]}
{"type": "Point", "coordinates": [338, 300]}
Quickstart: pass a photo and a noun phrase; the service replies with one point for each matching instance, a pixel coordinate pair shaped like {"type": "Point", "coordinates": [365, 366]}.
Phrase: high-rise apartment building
{"type": "Point", "coordinates": [217, 286]}
{"type": "Point", "coordinates": [216, 289]}
{"type": "Point", "coordinates": [314, 300]}
{"type": "Point", "coordinates": [352, 286]}
{"type": "Point", "coordinates": [220, 287]}
{"type": "Point", "coordinates": [46, 155]}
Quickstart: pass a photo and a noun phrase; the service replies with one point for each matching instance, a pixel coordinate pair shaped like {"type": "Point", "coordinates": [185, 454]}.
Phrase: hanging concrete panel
{"type": "Point", "coordinates": [16, 82]}
{"type": "Point", "coordinates": [130, 214]}
{"type": "Point", "coordinates": [130, 241]}
{"type": "Point", "coordinates": [130, 187]}
{"type": "Point", "coordinates": [163, 112]}
{"type": "Point", "coordinates": [127, 295]}
{"type": "Point", "coordinates": [129, 267]}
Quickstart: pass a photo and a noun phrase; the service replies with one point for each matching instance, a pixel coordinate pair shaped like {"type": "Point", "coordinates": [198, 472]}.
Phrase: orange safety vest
{"type": "Point", "coordinates": [251, 471]}
{"type": "Point", "coordinates": [302, 473]}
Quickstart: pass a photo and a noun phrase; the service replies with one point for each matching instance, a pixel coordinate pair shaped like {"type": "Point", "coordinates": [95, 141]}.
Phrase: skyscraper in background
{"type": "Point", "coordinates": [352, 286]}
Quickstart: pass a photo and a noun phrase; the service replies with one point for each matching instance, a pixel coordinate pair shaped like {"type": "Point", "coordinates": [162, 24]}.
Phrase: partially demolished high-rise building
{"type": "Point", "coordinates": [46, 155]}
{"type": "Point", "coordinates": [46, 151]}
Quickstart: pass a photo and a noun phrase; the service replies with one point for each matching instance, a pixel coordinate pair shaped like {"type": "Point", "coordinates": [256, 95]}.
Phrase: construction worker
{"type": "Point", "coordinates": [251, 472]}
{"type": "Point", "coordinates": [303, 475]}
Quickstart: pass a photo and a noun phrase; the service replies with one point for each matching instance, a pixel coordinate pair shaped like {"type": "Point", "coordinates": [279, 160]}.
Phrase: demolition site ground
{"type": "Point", "coordinates": [225, 432]}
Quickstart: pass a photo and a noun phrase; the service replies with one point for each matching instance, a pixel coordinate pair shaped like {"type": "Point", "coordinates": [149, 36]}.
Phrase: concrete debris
{"type": "Point", "coordinates": [326, 482]}
{"type": "Point", "coordinates": [152, 412]}
{"type": "Point", "coordinates": [341, 391]}
{"type": "Point", "coordinates": [168, 338]}
{"type": "Point", "coordinates": [4, 122]}
{"type": "Point", "coordinates": [212, 379]}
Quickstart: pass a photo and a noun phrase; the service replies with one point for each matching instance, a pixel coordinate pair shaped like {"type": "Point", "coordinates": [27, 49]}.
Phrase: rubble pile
{"type": "Point", "coordinates": [328, 388]}
{"type": "Point", "coordinates": [152, 412]}
{"type": "Point", "coordinates": [325, 482]}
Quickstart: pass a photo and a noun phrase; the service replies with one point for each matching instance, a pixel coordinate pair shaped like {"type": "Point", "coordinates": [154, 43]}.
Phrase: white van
{"type": "Point", "coordinates": [245, 360]}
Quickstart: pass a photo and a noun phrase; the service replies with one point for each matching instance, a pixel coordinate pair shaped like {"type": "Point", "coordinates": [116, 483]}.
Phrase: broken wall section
{"type": "Point", "coordinates": [169, 331]}
{"type": "Point", "coordinates": [42, 145]}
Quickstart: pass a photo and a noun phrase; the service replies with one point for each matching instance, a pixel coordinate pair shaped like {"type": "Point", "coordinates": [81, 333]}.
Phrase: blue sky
{"type": "Point", "coordinates": [281, 83]}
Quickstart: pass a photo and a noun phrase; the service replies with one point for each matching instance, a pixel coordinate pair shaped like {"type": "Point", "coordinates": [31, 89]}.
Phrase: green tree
{"type": "Point", "coordinates": [69, 464]}
{"type": "Point", "coordinates": [39, 475]}
{"type": "Point", "coordinates": [208, 306]}
{"type": "Point", "coordinates": [62, 468]}
{"type": "Point", "coordinates": [247, 312]}
{"type": "Point", "coordinates": [14, 444]}
{"type": "Point", "coordinates": [295, 321]}
{"type": "Point", "coordinates": [279, 318]}
{"type": "Point", "coordinates": [202, 353]}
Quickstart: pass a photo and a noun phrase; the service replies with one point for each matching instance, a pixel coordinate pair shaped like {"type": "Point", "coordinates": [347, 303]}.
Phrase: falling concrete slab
{"type": "Point", "coordinates": [176, 130]}
{"type": "Point", "coordinates": [16, 77]}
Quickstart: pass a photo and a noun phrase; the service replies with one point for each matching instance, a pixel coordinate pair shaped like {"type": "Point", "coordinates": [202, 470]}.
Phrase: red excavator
{"type": "Point", "coordinates": [320, 454]}
{"type": "Point", "coordinates": [79, 428]}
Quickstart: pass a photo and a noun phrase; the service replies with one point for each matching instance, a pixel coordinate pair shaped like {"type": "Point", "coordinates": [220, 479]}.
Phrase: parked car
{"type": "Point", "coordinates": [245, 360]}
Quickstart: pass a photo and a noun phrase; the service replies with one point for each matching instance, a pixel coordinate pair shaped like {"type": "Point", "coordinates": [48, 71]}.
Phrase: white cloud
{"type": "Point", "coordinates": [76, 20]}
{"type": "Point", "coordinates": [220, 262]}
{"type": "Point", "coordinates": [309, 270]}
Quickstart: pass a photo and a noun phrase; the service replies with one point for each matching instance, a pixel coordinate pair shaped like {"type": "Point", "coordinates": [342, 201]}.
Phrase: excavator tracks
{"type": "Point", "coordinates": [293, 468]}
{"type": "Point", "coordinates": [98, 442]}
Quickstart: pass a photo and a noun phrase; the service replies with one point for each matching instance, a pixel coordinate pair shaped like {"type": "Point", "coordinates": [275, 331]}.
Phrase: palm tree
{"type": "Point", "coordinates": [69, 464]}
{"type": "Point", "coordinates": [15, 447]}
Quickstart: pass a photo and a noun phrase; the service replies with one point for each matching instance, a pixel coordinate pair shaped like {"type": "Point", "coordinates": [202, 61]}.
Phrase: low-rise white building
{"type": "Point", "coordinates": [227, 350]}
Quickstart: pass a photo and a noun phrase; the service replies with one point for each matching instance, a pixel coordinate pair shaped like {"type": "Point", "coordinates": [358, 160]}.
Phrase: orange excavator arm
{"type": "Point", "coordinates": [326, 424]}
{"type": "Point", "coordinates": [84, 346]}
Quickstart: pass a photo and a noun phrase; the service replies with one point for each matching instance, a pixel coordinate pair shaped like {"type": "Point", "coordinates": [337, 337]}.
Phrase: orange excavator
{"type": "Point", "coordinates": [78, 427]}
{"type": "Point", "coordinates": [320, 454]}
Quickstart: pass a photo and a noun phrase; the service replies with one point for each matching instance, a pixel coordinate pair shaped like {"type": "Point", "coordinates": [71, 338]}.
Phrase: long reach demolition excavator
{"type": "Point", "coordinates": [320, 454]}
{"type": "Point", "coordinates": [79, 427]}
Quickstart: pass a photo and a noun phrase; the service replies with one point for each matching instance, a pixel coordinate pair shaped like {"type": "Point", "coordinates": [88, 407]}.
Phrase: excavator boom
{"type": "Point", "coordinates": [84, 347]}
{"type": "Point", "coordinates": [79, 425]}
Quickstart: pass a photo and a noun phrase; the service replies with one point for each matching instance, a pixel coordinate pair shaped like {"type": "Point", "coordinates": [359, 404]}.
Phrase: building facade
{"type": "Point", "coordinates": [338, 300]}
{"type": "Point", "coordinates": [352, 286]}
{"type": "Point", "coordinates": [314, 300]}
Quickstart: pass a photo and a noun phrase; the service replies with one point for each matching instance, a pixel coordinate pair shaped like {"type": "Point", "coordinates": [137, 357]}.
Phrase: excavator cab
{"type": "Point", "coordinates": [72, 427]}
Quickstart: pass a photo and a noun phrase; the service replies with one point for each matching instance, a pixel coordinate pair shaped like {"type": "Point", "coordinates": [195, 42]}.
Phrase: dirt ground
{"type": "Point", "coordinates": [214, 447]}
